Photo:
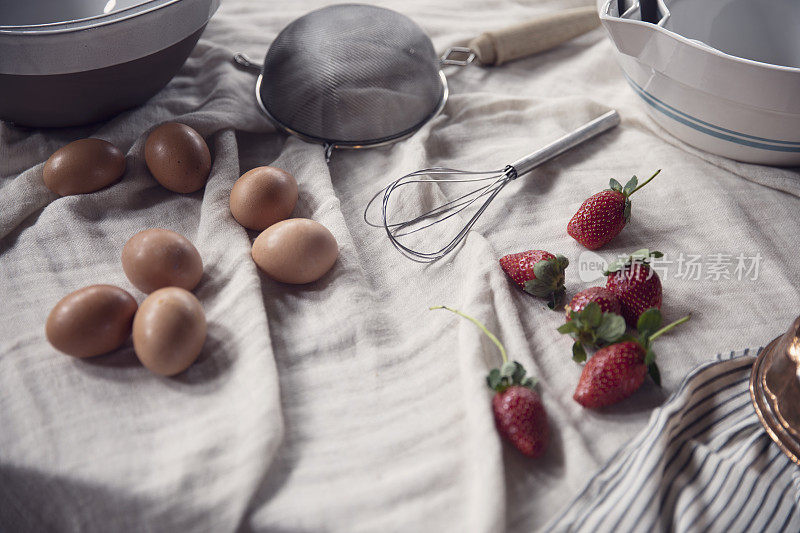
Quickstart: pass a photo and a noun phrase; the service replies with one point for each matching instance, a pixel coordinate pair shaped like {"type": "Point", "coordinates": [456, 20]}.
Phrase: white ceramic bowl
{"type": "Point", "coordinates": [721, 75]}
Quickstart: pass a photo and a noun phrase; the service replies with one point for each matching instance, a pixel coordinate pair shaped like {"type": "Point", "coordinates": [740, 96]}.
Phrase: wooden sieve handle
{"type": "Point", "coordinates": [537, 35]}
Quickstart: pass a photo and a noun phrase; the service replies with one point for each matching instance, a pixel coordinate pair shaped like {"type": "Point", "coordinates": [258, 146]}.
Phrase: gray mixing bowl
{"type": "Point", "coordinates": [73, 62]}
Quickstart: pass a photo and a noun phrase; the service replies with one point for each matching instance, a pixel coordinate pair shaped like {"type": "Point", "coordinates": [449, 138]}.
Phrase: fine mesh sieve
{"type": "Point", "coordinates": [366, 75]}
{"type": "Point", "coordinates": [351, 75]}
{"type": "Point", "coordinates": [356, 75]}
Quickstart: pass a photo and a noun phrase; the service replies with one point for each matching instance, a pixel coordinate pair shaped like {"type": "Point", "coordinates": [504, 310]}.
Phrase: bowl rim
{"type": "Point", "coordinates": [104, 42]}
{"type": "Point", "coordinates": [604, 14]}
{"type": "Point", "coordinates": [66, 26]}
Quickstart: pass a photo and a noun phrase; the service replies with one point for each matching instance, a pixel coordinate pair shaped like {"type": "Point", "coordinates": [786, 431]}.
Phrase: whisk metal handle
{"type": "Point", "coordinates": [570, 140]}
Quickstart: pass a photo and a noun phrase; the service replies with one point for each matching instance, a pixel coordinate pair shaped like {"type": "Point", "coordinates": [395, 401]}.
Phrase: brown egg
{"type": "Point", "coordinates": [156, 258]}
{"type": "Point", "coordinates": [83, 166]}
{"type": "Point", "coordinates": [178, 157]}
{"type": "Point", "coordinates": [297, 251]}
{"type": "Point", "coordinates": [169, 331]}
{"type": "Point", "coordinates": [262, 197]}
{"type": "Point", "coordinates": [91, 321]}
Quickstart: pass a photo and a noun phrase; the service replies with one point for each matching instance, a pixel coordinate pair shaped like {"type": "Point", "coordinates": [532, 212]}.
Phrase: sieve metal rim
{"type": "Point", "coordinates": [354, 145]}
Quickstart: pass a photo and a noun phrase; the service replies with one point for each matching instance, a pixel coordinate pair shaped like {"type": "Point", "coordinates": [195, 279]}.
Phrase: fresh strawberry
{"type": "Point", "coordinates": [637, 286]}
{"type": "Point", "coordinates": [591, 327]}
{"type": "Point", "coordinates": [603, 215]}
{"type": "Point", "coordinates": [611, 375]}
{"type": "Point", "coordinates": [607, 300]}
{"type": "Point", "coordinates": [538, 273]}
{"type": "Point", "coordinates": [617, 371]}
{"type": "Point", "coordinates": [520, 417]}
{"type": "Point", "coordinates": [519, 413]}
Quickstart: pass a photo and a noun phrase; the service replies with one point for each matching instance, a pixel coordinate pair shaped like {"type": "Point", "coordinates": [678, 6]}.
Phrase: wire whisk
{"type": "Point", "coordinates": [491, 183]}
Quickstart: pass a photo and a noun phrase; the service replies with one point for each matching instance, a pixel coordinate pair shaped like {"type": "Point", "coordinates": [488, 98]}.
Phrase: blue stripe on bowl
{"type": "Point", "coordinates": [720, 128]}
{"type": "Point", "coordinates": [711, 129]}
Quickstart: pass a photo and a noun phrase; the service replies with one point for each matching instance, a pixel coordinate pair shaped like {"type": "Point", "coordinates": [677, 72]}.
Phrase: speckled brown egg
{"type": "Point", "coordinates": [262, 197]}
{"type": "Point", "coordinates": [91, 321]}
{"type": "Point", "coordinates": [177, 157]}
{"type": "Point", "coordinates": [169, 331]}
{"type": "Point", "coordinates": [83, 166]}
{"type": "Point", "coordinates": [296, 251]}
{"type": "Point", "coordinates": [156, 258]}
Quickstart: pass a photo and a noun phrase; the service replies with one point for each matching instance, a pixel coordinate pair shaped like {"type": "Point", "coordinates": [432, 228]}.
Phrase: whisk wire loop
{"type": "Point", "coordinates": [491, 183]}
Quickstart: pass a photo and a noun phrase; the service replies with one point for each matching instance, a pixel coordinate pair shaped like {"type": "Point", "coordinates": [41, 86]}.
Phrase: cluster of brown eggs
{"type": "Point", "coordinates": [176, 155]}
{"type": "Point", "coordinates": [169, 327]}
{"type": "Point", "coordinates": [291, 250]}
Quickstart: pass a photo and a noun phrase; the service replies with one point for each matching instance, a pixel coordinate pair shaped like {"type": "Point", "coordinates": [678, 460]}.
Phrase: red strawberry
{"type": "Point", "coordinates": [617, 371]}
{"type": "Point", "coordinates": [520, 417]}
{"type": "Point", "coordinates": [518, 411]}
{"type": "Point", "coordinates": [603, 215]}
{"type": "Point", "coordinates": [538, 273]}
{"type": "Point", "coordinates": [611, 375]}
{"type": "Point", "coordinates": [637, 286]}
{"type": "Point", "coordinates": [607, 300]}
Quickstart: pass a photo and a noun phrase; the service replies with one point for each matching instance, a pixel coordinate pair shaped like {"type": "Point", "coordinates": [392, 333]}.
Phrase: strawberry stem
{"type": "Point", "coordinates": [477, 323]}
{"type": "Point", "coordinates": [669, 327]}
{"type": "Point", "coordinates": [646, 182]}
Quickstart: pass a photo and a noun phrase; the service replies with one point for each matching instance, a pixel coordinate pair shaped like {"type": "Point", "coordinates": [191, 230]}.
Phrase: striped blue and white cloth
{"type": "Point", "coordinates": [704, 463]}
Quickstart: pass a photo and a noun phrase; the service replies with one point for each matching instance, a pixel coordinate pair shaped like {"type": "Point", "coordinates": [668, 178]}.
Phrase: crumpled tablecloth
{"type": "Point", "coordinates": [346, 405]}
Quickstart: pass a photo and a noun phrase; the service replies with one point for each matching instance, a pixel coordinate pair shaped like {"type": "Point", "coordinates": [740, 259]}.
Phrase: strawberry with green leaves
{"type": "Point", "coordinates": [591, 327]}
{"type": "Point", "coordinates": [607, 300]}
{"type": "Point", "coordinates": [603, 215]}
{"type": "Point", "coordinates": [617, 371]}
{"type": "Point", "coordinates": [635, 283]}
{"type": "Point", "coordinates": [538, 273]}
{"type": "Point", "coordinates": [518, 411]}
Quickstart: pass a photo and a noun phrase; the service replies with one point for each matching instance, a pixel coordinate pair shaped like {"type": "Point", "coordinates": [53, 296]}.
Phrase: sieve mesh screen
{"type": "Point", "coordinates": [352, 74]}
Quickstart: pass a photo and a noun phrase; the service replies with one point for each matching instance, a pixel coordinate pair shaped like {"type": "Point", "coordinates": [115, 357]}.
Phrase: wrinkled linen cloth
{"type": "Point", "coordinates": [345, 405]}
